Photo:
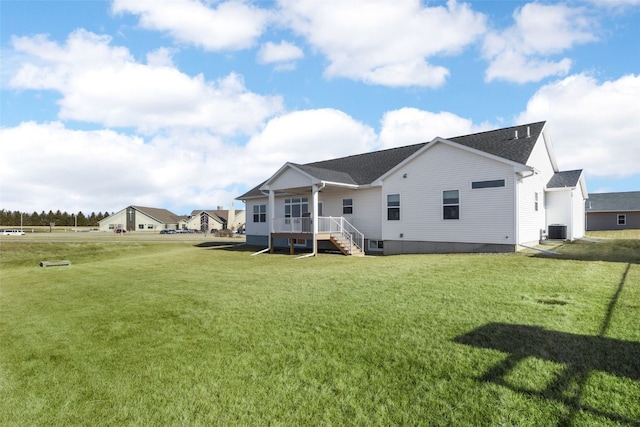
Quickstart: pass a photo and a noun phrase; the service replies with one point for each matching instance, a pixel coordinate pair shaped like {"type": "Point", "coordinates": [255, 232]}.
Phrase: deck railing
{"type": "Point", "coordinates": [326, 224]}
{"type": "Point", "coordinates": [344, 229]}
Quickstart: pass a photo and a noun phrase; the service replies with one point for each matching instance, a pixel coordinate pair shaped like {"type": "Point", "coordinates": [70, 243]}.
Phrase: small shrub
{"type": "Point", "coordinates": [224, 233]}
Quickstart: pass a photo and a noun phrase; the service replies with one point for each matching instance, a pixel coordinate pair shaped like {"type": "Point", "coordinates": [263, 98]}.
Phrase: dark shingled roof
{"type": "Point", "coordinates": [161, 215]}
{"type": "Point", "coordinates": [565, 179]}
{"type": "Point", "coordinates": [607, 202]}
{"type": "Point", "coordinates": [365, 168]}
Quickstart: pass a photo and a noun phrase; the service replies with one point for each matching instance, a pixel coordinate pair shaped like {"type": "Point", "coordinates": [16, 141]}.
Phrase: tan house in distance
{"type": "Point", "coordinates": [146, 219]}
{"type": "Point", "coordinates": [213, 220]}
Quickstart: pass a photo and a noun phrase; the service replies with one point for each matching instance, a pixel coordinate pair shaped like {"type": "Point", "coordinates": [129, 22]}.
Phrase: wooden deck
{"type": "Point", "coordinates": [307, 236]}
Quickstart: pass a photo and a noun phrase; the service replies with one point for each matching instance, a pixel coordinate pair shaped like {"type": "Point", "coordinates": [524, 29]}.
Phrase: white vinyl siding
{"type": "Point", "coordinates": [531, 221]}
{"type": "Point", "coordinates": [367, 208]}
{"type": "Point", "coordinates": [579, 218]}
{"type": "Point", "coordinates": [487, 215]}
{"type": "Point", "coordinates": [290, 178]}
{"type": "Point", "coordinates": [257, 228]}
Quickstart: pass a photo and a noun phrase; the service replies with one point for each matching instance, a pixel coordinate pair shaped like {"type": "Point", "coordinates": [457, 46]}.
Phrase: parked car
{"type": "Point", "coordinates": [167, 231]}
{"type": "Point", "coordinates": [121, 230]}
{"type": "Point", "coordinates": [11, 232]}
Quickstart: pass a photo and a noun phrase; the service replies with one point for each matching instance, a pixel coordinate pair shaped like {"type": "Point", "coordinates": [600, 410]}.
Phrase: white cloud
{"type": "Point", "coordinates": [161, 57]}
{"type": "Point", "coordinates": [232, 25]}
{"type": "Point", "coordinates": [307, 136]}
{"type": "Point", "coordinates": [384, 42]}
{"type": "Point", "coordinates": [594, 126]}
{"type": "Point", "coordinates": [284, 54]}
{"type": "Point", "coordinates": [522, 52]}
{"type": "Point", "coordinates": [72, 170]}
{"type": "Point", "coordinates": [61, 168]}
{"type": "Point", "coordinates": [408, 126]}
{"type": "Point", "coordinates": [103, 84]}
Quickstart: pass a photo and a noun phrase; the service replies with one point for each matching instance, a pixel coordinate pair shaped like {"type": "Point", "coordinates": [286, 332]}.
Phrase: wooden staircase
{"type": "Point", "coordinates": [343, 243]}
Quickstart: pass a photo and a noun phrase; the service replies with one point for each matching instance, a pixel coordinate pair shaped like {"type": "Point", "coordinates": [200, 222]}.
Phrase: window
{"type": "Point", "coordinates": [536, 202]}
{"type": "Point", "coordinates": [376, 245]}
{"type": "Point", "coordinates": [149, 226]}
{"type": "Point", "coordinates": [296, 207]}
{"type": "Point", "coordinates": [347, 206]}
{"type": "Point", "coordinates": [393, 207]}
{"type": "Point", "coordinates": [488, 184]}
{"type": "Point", "coordinates": [450, 204]}
{"type": "Point", "coordinates": [140, 226]}
{"type": "Point", "coordinates": [260, 213]}
{"type": "Point", "coordinates": [622, 219]}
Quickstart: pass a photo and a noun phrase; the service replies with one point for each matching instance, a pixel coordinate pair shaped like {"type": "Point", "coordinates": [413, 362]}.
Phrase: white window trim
{"type": "Point", "coordinates": [399, 207]}
{"type": "Point", "coordinates": [443, 204]}
{"type": "Point", "coordinates": [623, 217]}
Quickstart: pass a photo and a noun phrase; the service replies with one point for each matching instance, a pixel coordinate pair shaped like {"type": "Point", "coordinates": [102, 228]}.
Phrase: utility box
{"type": "Point", "coordinates": [558, 232]}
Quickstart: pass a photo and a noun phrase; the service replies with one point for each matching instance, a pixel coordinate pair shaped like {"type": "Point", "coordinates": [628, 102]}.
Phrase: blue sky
{"type": "Point", "coordinates": [186, 104]}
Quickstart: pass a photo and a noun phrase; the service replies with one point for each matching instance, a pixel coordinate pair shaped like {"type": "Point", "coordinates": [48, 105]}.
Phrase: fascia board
{"type": "Point", "coordinates": [549, 145]}
{"type": "Point", "coordinates": [555, 189]}
{"type": "Point", "coordinates": [583, 186]}
{"type": "Point", "coordinates": [340, 184]}
{"type": "Point", "coordinates": [610, 210]}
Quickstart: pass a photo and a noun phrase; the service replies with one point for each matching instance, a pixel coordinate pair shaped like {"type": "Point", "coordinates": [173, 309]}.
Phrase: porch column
{"type": "Point", "coordinates": [272, 216]}
{"type": "Point", "coordinates": [272, 211]}
{"type": "Point", "coordinates": [314, 197]}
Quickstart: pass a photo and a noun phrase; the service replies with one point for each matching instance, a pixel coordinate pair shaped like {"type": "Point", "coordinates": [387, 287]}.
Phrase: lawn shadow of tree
{"type": "Point", "coordinates": [580, 355]}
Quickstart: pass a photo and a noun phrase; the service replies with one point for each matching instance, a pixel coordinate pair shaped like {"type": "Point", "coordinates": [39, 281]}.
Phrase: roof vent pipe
{"type": "Point", "coordinates": [528, 132]}
{"type": "Point", "coordinates": [516, 135]}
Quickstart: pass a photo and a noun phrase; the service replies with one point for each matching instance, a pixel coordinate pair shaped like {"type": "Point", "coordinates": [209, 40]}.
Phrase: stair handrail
{"type": "Point", "coordinates": [346, 229]}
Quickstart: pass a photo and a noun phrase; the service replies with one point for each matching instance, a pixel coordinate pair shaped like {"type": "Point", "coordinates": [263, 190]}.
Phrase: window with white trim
{"type": "Point", "coordinates": [535, 203]}
{"type": "Point", "coordinates": [259, 213]}
{"type": "Point", "coordinates": [295, 207]}
{"type": "Point", "coordinates": [622, 219]}
{"type": "Point", "coordinates": [451, 204]}
{"type": "Point", "coordinates": [393, 207]}
{"type": "Point", "coordinates": [347, 206]}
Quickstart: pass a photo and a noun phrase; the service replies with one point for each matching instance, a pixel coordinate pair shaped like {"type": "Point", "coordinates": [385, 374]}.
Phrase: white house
{"type": "Point", "coordinates": [485, 192]}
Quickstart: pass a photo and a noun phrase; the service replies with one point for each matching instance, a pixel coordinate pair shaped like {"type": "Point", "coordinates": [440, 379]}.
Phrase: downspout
{"type": "Point", "coordinates": [271, 213]}
{"type": "Point", "coordinates": [571, 212]}
{"type": "Point", "coordinates": [516, 221]}
{"type": "Point", "coordinates": [315, 189]}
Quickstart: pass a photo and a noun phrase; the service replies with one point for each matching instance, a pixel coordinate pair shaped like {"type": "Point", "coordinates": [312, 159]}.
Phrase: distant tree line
{"type": "Point", "coordinates": [61, 219]}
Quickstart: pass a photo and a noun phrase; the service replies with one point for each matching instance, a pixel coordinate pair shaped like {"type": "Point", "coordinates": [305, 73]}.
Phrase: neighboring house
{"type": "Point", "coordinates": [218, 219]}
{"type": "Point", "coordinates": [485, 192]}
{"type": "Point", "coordinates": [139, 218]}
{"type": "Point", "coordinates": [613, 211]}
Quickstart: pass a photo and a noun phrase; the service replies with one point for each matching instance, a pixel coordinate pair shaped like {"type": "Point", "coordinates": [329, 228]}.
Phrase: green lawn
{"type": "Point", "coordinates": [156, 333]}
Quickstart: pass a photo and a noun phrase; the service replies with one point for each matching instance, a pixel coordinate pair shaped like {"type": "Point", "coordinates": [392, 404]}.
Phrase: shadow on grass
{"type": "Point", "coordinates": [627, 251]}
{"type": "Point", "coordinates": [580, 355]}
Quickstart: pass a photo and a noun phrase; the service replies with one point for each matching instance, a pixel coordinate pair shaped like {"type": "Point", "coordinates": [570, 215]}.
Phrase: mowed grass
{"type": "Point", "coordinates": [155, 333]}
